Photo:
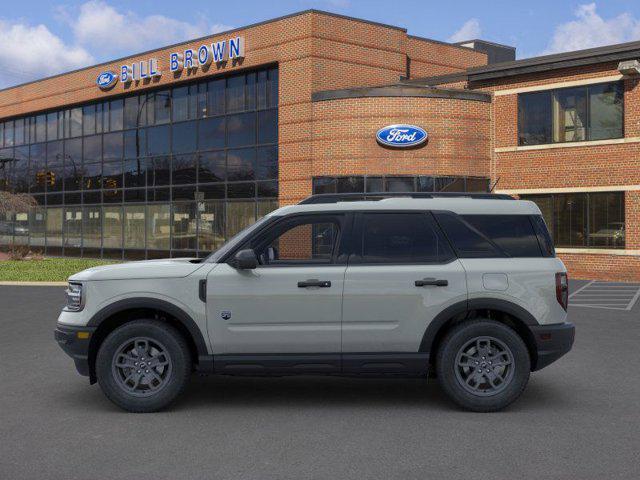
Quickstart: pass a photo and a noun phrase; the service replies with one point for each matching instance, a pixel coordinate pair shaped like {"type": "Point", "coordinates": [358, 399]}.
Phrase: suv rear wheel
{"type": "Point", "coordinates": [143, 365]}
{"type": "Point", "coordinates": [483, 365]}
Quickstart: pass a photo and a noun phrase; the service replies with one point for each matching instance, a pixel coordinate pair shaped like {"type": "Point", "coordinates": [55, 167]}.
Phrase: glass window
{"type": "Point", "coordinates": [402, 238]}
{"type": "Point", "coordinates": [449, 184]}
{"type": "Point", "coordinates": [184, 226]}
{"type": "Point", "coordinates": [261, 89]}
{"type": "Point", "coordinates": [570, 213]}
{"type": "Point", "coordinates": [241, 190]}
{"type": "Point", "coordinates": [250, 91]}
{"type": "Point", "coordinates": [92, 149]}
{"type": "Point", "coordinates": [112, 175]}
{"type": "Point", "coordinates": [8, 134]}
{"type": "Point", "coordinates": [425, 184]}
{"type": "Point", "coordinates": [112, 146]}
{"type": "Point", "coordinates": [374, 184]}
{"type": "Point", "coordinates": [158, 140]}
{"type": "Point", "coordinates": [235, 93]}
{"type": "Point", "coordinates": [215, 97]}
{"type": "Point", "coordinates": [184, 137]}
{"type": "Point", "coordinates": [211, 167]}
{"type": "Point", "coordinates": [75, 122]}
{"type": "Point", "coordinates": [268, 126]}
{"type": "Point", "coordinates": [606, 111]}
{"type": "Point", "coordinates": [239, 216]}
{"type": "Point", "coordinates": [273, 88]}
{"type": "Point", "coordinates": [210, 225]}
{"type": "Point", "coordinates": [158, 171]}
{"type": "Point", "coordinates": [112, 229]}
{"type": "Point", "coordinates": [158, 226]}
{"type": "Point", "coordinates": [514, 234]}
{"type": "Point", "coordinates": [116, 115]}
{"type": "Point", "coordinates": [180, 104]}
{"type": "Point", "coordinates": [54, 227]}
{"type": "Point", "coordinates": [89, 124]}
{"type": "Point", "coordinates": [591, 112]}
{"type": "Point", "coordinates": [92, 227]}
{"type": "Point", "coordinates": [211, 133]}
{"type": "Point", "coordinates": [268, 189]}
{"type": "Point", "coordinates": [134, 173]}
{"type": "Point", "coordinates": [606, 220]}
{"type": "Point", "coordinates": [241, 129]}
{"type": "Point", "coordinates": [162, 106]}
{"type": "Point", "coordinates": [19, 132]}
{"type": "Point", "coordinates": [467, 240]}
{"type": "Point", "coordinates": [41, 128]}
{"type": "Point", "coordinates": [37, 168]}
{"type": "Point", "coordinates": [324, 185]}
{"type": "Point", "coordinates": [21, 169]}
{"type": "Point", "coordinates": [241, 164]}
{"type": "Point", "coordinates": [267, 163]}
{"type": "Point", "coordinates": [73, 227]}
{"type": "Point", "coordinates": [134, 225]}
{"type": "Point", "coordinates": [184, 169]}
{"type": "Point", "coordinates": [570, 115]}
{"type": "Point", "coordinates": [399, 184]}
{"type": "Point", "coordinates": [102, 120]}
{"type": "Point", "coordinates": [37, 226]}
{"type": "Point", "coordinates": [131, 112]}
{"type": "Point", "coordinates": [135, 143]}
{"type": "Point", "coordinates": [92, 176]}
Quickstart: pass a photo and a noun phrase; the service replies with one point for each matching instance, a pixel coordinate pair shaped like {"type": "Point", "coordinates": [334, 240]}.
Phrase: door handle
{"type": "Point", "coordinates": [431, 282]}
{"type": "Point", "coordinates": [314, 283]}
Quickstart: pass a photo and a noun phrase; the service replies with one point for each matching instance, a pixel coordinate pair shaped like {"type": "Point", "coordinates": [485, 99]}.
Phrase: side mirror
{"type": "Point", "coordinates": [245, 260]}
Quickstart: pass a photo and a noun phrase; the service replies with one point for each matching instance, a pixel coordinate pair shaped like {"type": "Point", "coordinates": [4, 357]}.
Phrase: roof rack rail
{"type": "Point", "coordinates": [354, 197]}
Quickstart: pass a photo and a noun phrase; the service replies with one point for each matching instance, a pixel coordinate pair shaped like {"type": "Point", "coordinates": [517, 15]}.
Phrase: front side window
{"type": "Point", "coordinates": [402, 238]}
{"type": "Point", "coordinates": [299, 241]}
{"type": "Point", "coordinates": [591, 112]}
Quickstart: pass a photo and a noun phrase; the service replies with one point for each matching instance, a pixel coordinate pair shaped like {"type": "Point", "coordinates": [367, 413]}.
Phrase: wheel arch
{"type": "Point", "coordinates": [130, 309]}
{"type": "Point", "coordinates": [504, 311]}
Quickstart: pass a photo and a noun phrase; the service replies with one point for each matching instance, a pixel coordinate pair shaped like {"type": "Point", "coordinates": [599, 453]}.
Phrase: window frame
{"type": "Point", "coordinates": [552, 92]}
{"type": "Point", "coordinates": [357, 237]}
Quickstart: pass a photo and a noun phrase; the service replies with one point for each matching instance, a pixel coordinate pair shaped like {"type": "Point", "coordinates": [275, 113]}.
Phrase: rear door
{"type": "Point", "coordinates": [402, 274]}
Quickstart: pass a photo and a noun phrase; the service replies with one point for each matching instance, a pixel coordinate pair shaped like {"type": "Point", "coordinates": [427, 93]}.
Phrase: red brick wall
{"type": "Point", "coordinates": [429, 58]}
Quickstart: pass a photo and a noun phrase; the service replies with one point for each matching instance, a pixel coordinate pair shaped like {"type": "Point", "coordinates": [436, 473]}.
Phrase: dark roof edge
{"type": "Point", "coordinates": [436, 79]}
{"type": "Point", "coordinates": [400, 90]}
{"type": "Point", "coordinates": [555, 61]}
{"type": "Point", "coordinates": [501, 45]}
{"type": "Point", "coordinates": [226, 32]}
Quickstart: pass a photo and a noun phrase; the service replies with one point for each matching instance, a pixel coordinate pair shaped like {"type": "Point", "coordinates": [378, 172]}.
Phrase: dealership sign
{"type": "Point", "coordinates": [401, 136]}
{"type": "Point", "coordinates": [189, 59]}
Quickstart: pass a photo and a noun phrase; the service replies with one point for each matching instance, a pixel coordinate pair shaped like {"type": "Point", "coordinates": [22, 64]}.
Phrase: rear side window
{"type": "Point", "coordinates": [467, 240]}
{"type": "Point", "coordinates": [402, 238]}
{"type": "Point", "coordinates": [514, 234]}
{"type": "Point", "coordinates": [544, 238]}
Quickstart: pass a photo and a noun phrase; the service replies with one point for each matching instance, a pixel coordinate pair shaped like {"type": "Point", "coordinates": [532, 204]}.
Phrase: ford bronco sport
{"type": "Point", "coordinates": [464, 287]}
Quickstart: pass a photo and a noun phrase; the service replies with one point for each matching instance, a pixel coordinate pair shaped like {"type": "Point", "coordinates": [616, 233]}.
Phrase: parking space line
{"type": "Point", "coordinates": [581, 288]}
{"type": "Point", "coordinates": [612, 296]}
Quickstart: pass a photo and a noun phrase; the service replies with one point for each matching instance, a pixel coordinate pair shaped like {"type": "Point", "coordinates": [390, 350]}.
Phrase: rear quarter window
{"type": "Point", "coordinates": [513, 234]}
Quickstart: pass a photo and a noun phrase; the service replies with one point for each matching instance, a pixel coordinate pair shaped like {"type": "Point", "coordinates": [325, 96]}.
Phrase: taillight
{"type": "Point", "coordinates": [562, 289]}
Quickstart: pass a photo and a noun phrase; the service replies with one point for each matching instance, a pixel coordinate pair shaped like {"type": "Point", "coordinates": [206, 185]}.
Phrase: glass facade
{"type": "Point", "coordinates": [584, 220]}
{"type": "Point", "coordinates": [379, 183]}
{"type": "Point", "coordinates": [171, 172]}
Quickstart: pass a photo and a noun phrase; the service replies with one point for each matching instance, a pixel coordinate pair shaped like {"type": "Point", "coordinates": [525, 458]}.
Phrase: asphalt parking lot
{"type": "Point", "coordinates": [578, 419]}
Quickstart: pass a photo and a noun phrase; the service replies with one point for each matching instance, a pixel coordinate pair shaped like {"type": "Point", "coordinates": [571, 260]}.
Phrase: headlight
{"type": "Point", "coordinates": [75, 299]}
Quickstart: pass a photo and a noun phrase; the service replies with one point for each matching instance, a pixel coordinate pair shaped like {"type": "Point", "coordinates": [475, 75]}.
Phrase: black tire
{"type": "Point", "coordinates": [479, 394]}
{"type": "Point", "coordinates": [119, 382]}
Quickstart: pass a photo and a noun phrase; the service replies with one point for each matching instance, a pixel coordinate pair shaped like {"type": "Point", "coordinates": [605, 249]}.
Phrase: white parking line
{"type": "Point", "coordinates": [611, 296]}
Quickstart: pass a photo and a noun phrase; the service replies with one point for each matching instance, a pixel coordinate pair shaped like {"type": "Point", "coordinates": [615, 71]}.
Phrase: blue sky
{"type": "Point", "coordinates": [43, 37]}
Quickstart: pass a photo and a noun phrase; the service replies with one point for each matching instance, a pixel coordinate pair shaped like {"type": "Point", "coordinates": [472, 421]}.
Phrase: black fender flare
{"type": "Point", "coordinates": [155, 304]}
{"type": "Point", "coordinates": [465, 306]}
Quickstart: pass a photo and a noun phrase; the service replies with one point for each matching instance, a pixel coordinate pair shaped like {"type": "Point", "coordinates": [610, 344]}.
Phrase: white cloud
{"type": "Point", "coordinates": [591, 30]}
{"type": "Point", "coordinates": [29, 52]}
{"type": "Point", "coordinates": [107, 31]}
{"type": "Point", "coordinates": [469, 31]}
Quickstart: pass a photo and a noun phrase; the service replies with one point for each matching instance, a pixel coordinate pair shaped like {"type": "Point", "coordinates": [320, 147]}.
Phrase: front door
{"type": "Point", "coordinates": [291, 303]}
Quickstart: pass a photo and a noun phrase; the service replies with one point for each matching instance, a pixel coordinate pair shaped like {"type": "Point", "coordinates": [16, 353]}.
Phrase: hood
{"type": "Point", "coordinates": [149, 269]}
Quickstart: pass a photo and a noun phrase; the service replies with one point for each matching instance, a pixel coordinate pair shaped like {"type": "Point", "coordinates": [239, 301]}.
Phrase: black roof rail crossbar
{"type": "Point", "coordinates": [352, 197]}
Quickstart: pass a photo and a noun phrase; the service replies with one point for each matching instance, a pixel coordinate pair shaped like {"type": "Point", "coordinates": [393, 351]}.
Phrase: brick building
{"type": "Point", "coordinates": [171, 151]}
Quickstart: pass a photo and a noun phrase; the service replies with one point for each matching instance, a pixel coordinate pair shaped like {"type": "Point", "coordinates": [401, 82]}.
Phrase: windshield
{"type": "Point", "coordinates": [230, 244]}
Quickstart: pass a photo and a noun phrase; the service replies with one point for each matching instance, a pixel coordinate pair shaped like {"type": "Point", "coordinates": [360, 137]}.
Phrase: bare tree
{"type": "Point", "coordinates": [15, 202]}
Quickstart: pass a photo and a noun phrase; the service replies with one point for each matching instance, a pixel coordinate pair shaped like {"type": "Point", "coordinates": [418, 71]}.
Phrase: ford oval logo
{"type": "Point", "coordinates": [401, 136]}
{"type": "Point", "coordinates": [106, 80]}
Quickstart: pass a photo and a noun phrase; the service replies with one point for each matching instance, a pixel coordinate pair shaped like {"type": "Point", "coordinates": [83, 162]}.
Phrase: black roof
{"type": "Point", "coordinates": [609, 53]}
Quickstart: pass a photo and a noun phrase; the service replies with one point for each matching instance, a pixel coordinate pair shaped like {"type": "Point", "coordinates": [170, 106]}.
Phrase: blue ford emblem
{"type": "Point", "coordinates": [106, 80]}
{"type": "Point", "coordinates": [401, 136]}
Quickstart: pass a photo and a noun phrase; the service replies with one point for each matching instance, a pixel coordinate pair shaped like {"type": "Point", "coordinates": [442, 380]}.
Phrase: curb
{"type": "Point", "coordinates": [34, 284]}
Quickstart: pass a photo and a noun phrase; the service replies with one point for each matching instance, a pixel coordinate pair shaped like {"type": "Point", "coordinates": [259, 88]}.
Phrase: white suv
{"type": "Point", "coordinates": [463, 287]}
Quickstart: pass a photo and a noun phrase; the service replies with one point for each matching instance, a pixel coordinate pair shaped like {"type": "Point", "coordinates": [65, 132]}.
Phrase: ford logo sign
{"type": "Point", "coordinates": [106, 80]}
{"type": "Point", "coordinates": [401, 136]}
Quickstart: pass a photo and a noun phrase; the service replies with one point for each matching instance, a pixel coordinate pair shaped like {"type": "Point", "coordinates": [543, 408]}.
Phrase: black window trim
{"type": "Point", "coordinates": [355, 256]}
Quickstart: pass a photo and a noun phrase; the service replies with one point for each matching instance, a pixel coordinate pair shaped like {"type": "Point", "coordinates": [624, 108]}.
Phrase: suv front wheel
{"type": "Point", "coordinates": [483, 365]}
{"type": "Point", "coordinates": [143, 365]}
